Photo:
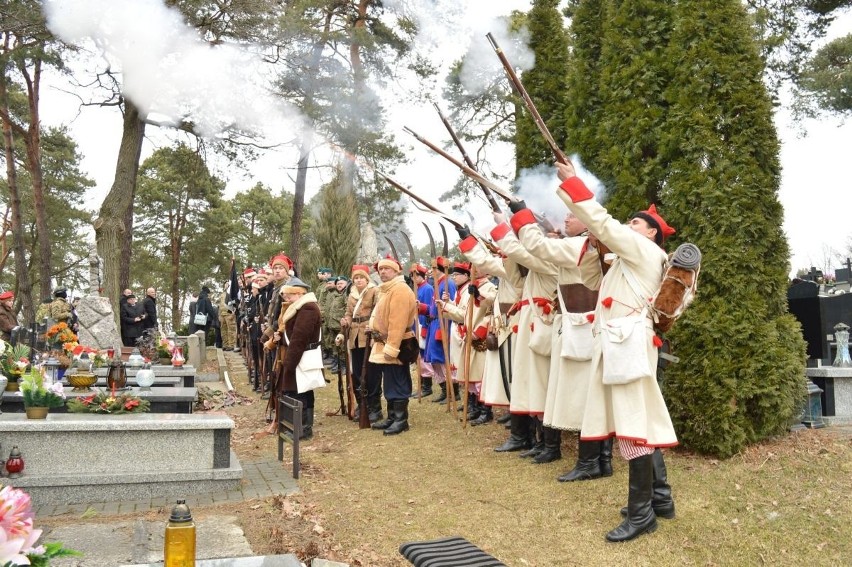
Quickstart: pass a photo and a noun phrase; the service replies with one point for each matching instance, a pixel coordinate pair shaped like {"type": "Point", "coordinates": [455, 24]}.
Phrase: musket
{"type": "Point", "coordinates": [419, 199]}
{"type": "Point", "coordinates": [494, 206]}
{"type": "Point", "coordinates": [468, 171]}
{"type": "Point", "coordinates": [519, 87]}
{"type": "Point", "coordinates": [350, 388]}
{"type": "Point", "coordinates": [364, 416]}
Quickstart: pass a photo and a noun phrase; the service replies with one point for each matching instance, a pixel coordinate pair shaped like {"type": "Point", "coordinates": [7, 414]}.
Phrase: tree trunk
{"type": "Point", "coordinates": [22, 275]}
{"type": "Point", "coordinates": [299, 202]}
{"type": "Point", "coordinates": [111, 225]}
{"type": "Point", "coordinates": [32, 143]}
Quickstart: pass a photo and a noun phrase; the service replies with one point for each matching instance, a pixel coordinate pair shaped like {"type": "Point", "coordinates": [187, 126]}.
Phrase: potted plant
{"type": "Point", "coordinates": [165, 349]}
{"type": "Point", "coordinates": [38, 399]}
{"type": "Point", "coordinates": [20, 538]}
{"type": "Point", "coordinates": [13, 362]}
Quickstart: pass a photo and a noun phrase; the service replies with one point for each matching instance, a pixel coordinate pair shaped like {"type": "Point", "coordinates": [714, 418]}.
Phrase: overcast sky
{"type": "Point", "coordinates": [814, 178]}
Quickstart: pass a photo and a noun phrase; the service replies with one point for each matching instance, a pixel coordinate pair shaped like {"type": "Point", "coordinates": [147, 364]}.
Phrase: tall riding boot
{"type": "Point", "coordinates": [425, 388]}
{"type": "Point", "coordinates": [307, 424]}
{"type": "Point", "coordinates": [400, 423]}
{"type": "Point", "coordinates": [389, 421]}
{"type": "Point", "coordinates": [662, 501]}
{"type": "Point", "coordinates": [519, 438]}
{"type": "Point", "coordinates": [537, 436]}
{"type": "Point", "coordinates": [504, 418]}
{"type": "Point", "coordinates": [588, 464]}
{"type": "Point", "coordinates": [442, 397]}
{"type": "Point", "coordinates": [606, 457]}
{"type": "Point", "coordinates": [473, 408]}
{"type": "Point", "coordinates": [374, 409]}
{"type": "Point", "coordinates": [552, 450]}
{"type": "Point", "coordinates": [485, 416]}
{"type": "Point", "coordinates": [455, 394]}
{"type": "Point", "coordinates": [640, 517]}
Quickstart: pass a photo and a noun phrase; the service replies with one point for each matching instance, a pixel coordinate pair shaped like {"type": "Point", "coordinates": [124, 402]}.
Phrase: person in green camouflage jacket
{"type": "Point", "coordinates": [334, 312]}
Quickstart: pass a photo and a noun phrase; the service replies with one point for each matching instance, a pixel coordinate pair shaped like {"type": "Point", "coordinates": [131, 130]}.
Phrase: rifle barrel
{"type": "Point", "coordinates": [558, 154]}
{"type": "Point", "coordinates": [494, 206]}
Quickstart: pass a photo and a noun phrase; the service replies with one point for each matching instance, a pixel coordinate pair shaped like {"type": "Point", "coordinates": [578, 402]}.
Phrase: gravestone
{"type": "Point", "coordinates": [95, 314]}
{"type": "Point", "coordinates": [818, 314]}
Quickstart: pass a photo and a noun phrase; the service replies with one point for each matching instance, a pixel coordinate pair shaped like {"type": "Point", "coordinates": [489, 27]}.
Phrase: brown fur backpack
{"type": "Point", "coordinates": [678, 288]}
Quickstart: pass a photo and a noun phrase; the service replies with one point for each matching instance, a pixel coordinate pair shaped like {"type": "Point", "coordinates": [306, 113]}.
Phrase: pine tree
{"type": "Point", "coordinates": [338, 233]}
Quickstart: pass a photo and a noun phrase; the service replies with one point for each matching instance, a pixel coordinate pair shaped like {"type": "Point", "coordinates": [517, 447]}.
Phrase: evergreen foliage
{"type": "Point", "coordinates": [828, 77]}
{"type": "Point", "coordinates": [546, 83]}
{"type": "Point", "coordinates": [678, 115]}
{"type": "Point", "coordinates": [337, 230]}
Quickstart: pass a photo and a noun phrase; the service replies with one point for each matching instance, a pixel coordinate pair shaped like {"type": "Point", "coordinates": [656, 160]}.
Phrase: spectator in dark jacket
{"type": "Point", "coordinates": [150, 306]}
{"type": "Point", "coordinates": [132, 321]}
{"type": "Point", "coordinates": [202, 305]}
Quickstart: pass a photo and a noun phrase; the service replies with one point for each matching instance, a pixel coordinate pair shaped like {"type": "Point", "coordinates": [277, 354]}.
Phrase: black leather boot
{"type": "Point", "coordinates": [400, 422]}
{"type": "Point", "coordinates": [425, 388]}
{"type": "Point", "coordinates": [455, 393]}
{"type": "Point", "coordinates": [388, 422]}
{"type": "Point", "coordinates": [662, 501]}
{"type": "Point", "coordinates": [472, 407]}
{"type": "Point", "coordinates": [537, 440]}
{"type": "Point", "coordinates": [442, 397]}
{"type": "Point", "coordinates": [504, 418]}
{"type": "Point", "coordinates": [374, 410]}
{"type": "Point", "coordinates": [307, 424]}
{"type": "Point", "coordinates": [640, 517]}
{"type": "Point", "coordinates": [606, 457]}
{"type": "Point", "coordinates": [485, 416]}
{"type": "Point", "coordinates": [552, 446]}
{"type": "Point", "coordinates": [588, 465]}
{"type": "Point", "coordinates": [519, 437]}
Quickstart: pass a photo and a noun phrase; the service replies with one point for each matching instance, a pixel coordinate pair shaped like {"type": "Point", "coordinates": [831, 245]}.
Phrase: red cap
{"type": "Point", "coordinates": [442, 262]}
{"type": "Point", "coordinates": [656, 221]}
{"type": "Point", "coordinates": [361, 270]}
{"type": "Point", "coordinates": [6, 295]}
{"type": "Point", "coordinates": [461, 268]}
{"type": "Point", "coordinates": [390, 262]}
{"type": "Point", "coordinates": [419, 268]}
{"type": "Point", "coordinates": [281, 258]}
{"type": "Point", "coordinates": [249, 272]}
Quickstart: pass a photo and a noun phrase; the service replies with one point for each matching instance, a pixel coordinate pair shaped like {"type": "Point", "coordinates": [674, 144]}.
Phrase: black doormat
{"type": "Point", "coordinates": [447, 552]}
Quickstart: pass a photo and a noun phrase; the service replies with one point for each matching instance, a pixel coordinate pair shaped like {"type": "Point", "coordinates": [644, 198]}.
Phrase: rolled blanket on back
{"type": "Point", "coordinates": [687, 256]}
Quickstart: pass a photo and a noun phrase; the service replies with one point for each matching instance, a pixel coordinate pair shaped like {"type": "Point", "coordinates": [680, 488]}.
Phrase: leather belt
{"type": "Point", "coordinates": [360, 319]}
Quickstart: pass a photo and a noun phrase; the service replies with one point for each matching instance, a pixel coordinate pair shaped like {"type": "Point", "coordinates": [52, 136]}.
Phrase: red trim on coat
{"type": "Point", "coordinates": [500, 231]}
{"type": "Point", "coordinates": [468, 244]}
{"type": "Point", "coordinates": [521, 219]}
{"type": "Point", "coordinates": [576, 189]}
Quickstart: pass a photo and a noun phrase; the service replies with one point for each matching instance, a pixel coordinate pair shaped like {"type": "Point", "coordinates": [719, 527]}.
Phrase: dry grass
{"type": "Point", "coordinates": [784, 502]}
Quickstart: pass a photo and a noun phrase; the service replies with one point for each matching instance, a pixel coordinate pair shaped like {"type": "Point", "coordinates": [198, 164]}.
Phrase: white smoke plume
{"type": "Point", "coordinates": [167, 69]}
{"type": "Point", "coordinates": [537, 186]}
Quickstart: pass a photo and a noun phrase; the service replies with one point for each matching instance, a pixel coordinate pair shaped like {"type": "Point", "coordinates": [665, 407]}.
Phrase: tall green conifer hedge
{"type": "Point", "coordinates": [680, 117]}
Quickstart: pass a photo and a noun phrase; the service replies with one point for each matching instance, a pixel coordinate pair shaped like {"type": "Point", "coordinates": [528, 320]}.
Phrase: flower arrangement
{"type": "Point", "coordinates": [36, 395]}
{"type": "Point", "coordinates": [18, 537]}
{"type": "Point", "coordinates": [13, 360]}
{"type": "Point", "coordinates": [109, 403]}
{"type": "Point", "coordinates": [165, 347]}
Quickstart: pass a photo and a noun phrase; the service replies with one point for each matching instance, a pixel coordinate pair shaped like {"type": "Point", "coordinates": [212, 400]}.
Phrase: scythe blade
{"type": "Point", "coordinates": [411, 258]}
{"type": "Point", "coordinates": [446, 241]}
{"type": "Point", "coordinates": [431, 241]}
{"type": "Point", "coordinates": [393, 249]}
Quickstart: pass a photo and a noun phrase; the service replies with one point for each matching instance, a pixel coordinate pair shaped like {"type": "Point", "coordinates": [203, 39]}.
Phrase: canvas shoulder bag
{"type": "Point", "coordinates": [309, 373]}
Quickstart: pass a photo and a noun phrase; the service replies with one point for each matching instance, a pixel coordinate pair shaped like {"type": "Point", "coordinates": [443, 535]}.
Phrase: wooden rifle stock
{"type": "Point", "coordinates": [364, 416]}
{"type": "Point", "coordinates": [350, 392]}
{"type": "Point", "coordinates": [519, 88]}
{"type": "Point", "coordinates": [494, 206]}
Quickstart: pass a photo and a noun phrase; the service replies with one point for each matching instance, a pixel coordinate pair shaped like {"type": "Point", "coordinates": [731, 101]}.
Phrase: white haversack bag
{"type": "Point", "coordinates": [577, 338]}
{"type": "Point", "coordinates": [200, 319]}
{"type": "Point", "coordinates": [309, 374]}
{"type": "Point", "coordinates": [625, 349]}
{"type": "Point", "coordinates": [541, 334]}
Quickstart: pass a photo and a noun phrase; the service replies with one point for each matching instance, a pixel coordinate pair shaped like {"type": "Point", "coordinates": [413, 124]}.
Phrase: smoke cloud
{"type": "Point", "coordinates": [167, 69]}
{"type": "Point", "coordinates": [537, 187]}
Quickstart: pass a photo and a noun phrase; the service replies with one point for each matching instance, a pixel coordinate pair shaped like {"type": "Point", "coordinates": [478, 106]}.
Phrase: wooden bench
{"type": "Point", "coordinates": [289, 428]}
{"type": "Point", "coordinates": [447, 552]}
